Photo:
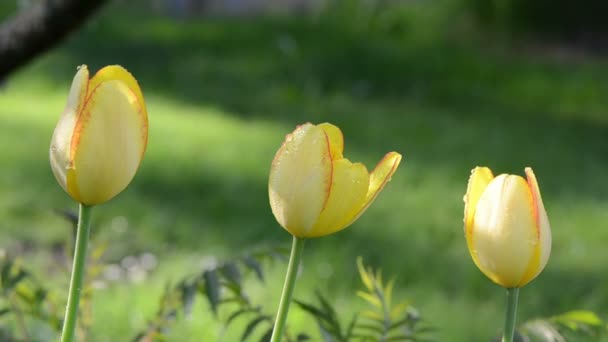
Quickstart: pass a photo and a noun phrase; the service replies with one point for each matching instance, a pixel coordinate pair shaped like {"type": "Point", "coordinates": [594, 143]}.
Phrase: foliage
{"type": "Point", "coordinates": [37, 310]}
{"type": "Point", "coordinates": [578, 325]}
{"type": "Point", "coordinates": [222, 286]}
{"type": "Point", "coordinates": [24, 297]}
{"type": "Point", "coordinates": [384, 322]}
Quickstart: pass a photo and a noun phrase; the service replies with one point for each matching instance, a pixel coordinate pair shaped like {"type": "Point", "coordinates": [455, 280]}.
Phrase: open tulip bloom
{"type": "Point", "coordinates": [314, 191]}
{"type": "Point", "coordinates": [95, 151]}
{"type": "Point", "coordinates": [507, 232]}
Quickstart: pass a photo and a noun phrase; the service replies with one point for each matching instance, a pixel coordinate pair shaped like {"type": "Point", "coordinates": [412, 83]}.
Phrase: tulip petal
{"type": "Point", "coordinates": [336, 140]}
{"type": "Point", "coordinates": [378, 178]}
{"type": "Point", "coordinates": [108, 143]}
{"type": "Point", "coordinates": [478, 181]}
{"type": "Point", "coordinates": [350, 183]}
{"type": "Point", "coordinates": [300, 179]}
{"type": "Point", "coordinates": [60, 151]}
{"type": "Point", "coordinates": [503, 241]}
{"type": "Point", "coordinates": [543, 232]}
{"type": "Point", "coordinates": [118, 73]}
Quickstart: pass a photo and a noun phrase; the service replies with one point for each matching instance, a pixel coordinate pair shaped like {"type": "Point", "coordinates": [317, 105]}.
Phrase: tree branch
{"type": "Point", "coordinates": [39, 28]}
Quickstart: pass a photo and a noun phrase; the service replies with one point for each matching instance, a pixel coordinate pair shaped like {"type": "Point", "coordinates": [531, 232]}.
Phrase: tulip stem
{"type": "Point", "coordinates": [511, 314]}
{"type": "Point", "coordinates": [78, 270]}
{"type": "Point", "coordinates": [290, 281]}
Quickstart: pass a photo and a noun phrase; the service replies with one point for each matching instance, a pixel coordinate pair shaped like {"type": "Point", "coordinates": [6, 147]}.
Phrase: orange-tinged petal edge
{"type": "Point", "coordinates": [378, 178]}
{"type": "Point", "coordinates": [60, 151]}
{"type": "Point", "coordinates": [336, 140]}
{"type": "Point", "coordinates": [118, 73]}
{"type": "Point", "coordinates": [110, 143]}
{"type": "Point", "coordinates": [542, 248]}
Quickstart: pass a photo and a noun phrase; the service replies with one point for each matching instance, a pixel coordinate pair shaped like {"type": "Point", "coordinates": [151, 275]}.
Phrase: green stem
{"type": "Point", "coordinates": [290, 281]}
{"type": "Point", "coordinates": [510, 318]}
{"type": "Point", "coordinates": [78, 271]}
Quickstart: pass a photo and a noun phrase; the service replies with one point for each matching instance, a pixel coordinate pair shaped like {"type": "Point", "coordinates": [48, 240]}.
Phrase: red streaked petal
{"type": "Point", "coordinates": [108, 143]}
{"type": "Point", "coordinates": [543, 230]}
{"type": "Point", "coordinates": [118, 73]}
{"type": "Point", "coordinates": [350, 183]}
{"type": "Point", "coordinates": [336, 140]}
{"type": "Point", "coordinates": [536, 199]}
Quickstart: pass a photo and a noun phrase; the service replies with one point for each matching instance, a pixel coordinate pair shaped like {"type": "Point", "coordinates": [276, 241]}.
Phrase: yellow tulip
{"type": "Point", "coordinates": [101, 136]}
{"type": "Point", "coordinates": [315, 191]}
{"type": "Point", "coordinates": [506, 227]}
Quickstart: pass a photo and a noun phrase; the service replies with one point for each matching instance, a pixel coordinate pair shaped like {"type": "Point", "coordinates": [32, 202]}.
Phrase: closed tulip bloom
{"type": "Point", "coordinates": [101, 136]}
{"type": "Point", "coordinates": [315, 191]}
{"type": "Point", "coordinates": [506, 227]}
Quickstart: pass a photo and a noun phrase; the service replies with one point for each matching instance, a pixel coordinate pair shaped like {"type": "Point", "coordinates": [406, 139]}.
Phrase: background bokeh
{"type": "Point", "coordinates": [448, 83]}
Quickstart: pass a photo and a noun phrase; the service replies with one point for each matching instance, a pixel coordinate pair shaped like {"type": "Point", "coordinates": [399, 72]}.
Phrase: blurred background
{"type": "Point", "coordinates": [450, 84]}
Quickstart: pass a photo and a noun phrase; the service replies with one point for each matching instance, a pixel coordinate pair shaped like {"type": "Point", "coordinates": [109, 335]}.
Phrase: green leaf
{"type": "Point", "coordinates": [311, 309]}
{"type": "Point", "coordinates": [255, 266]}
{"type": "Point", "coordinates": [251, 326]}
{"type": "Point", "coordinates": [188, 295]}
{"type": "Point", "coordinates": [370, 299]}
{"type": "Point", "coordinates": [267, 335]}
{"type": "Point", "coordinates": [326, 334]}
{"type": "Point", "coordinates": [303, 337]}
{"type": "Point", "coordinates": [232, 273]}
{"type": "Point", "coordinates": [398, 310]}
{"type": "Point", "coordinates": [327, 306]}
{"type": "Point", "coordinates": [366, 278]}
{"type": "Point", "coordinates": [388, 291]}
{"type": "Point", "coordinates": [26, 293]}
{"type": "Point", "coordinates": [5, 272]}
{"type": "Point", "coordinates": [371, 327]}
{"type": "Point", "coordinates": [212, 289]}
{"type": "Point", "coordinates": [4, 311]}
{"type": "Point", "coordinates": [11, 275]}
{"type": "Point", "coordinates": [68, 215]}
{"type": "Point", "coordinates": [363, 337]}
{"type": "Point", "coordinates": [326, 318]}
{"type": "Point", "coordinates": [237, 291]}
{"type": "Point", "coordinates": [351, 328]}
{"type": "Point", "coordinates": [577, 317]}
{"type": "Point", "coordinates": [240, 312]}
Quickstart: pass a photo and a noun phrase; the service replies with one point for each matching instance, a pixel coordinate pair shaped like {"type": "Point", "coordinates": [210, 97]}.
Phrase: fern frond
{"type": "Point", "coordinates": [384, 322]}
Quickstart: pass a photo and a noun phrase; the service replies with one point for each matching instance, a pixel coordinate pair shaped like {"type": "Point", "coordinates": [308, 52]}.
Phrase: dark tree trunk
{"type": "Point", "coordinates": [39, 28]}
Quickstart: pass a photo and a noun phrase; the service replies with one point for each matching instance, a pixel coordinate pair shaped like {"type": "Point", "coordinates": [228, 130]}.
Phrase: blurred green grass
{"type": "Point", "coordinates": [223, 92]}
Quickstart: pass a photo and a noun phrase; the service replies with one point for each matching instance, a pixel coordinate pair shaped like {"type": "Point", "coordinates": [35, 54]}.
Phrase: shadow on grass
{"type": "Point", "coordinates": [444, 103]}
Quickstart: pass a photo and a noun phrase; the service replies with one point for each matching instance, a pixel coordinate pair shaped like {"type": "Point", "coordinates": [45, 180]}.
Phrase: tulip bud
{"type": "Point", "coordinates": [101, 136]}
{"type": "Point", "coordinates": [506, 227]}
{"type": "Point", "coordinates": [315, 191]}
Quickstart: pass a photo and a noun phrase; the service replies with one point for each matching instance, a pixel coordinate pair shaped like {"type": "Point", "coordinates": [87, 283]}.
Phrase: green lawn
{"type": "Point", "coordinates": [222, 94]}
